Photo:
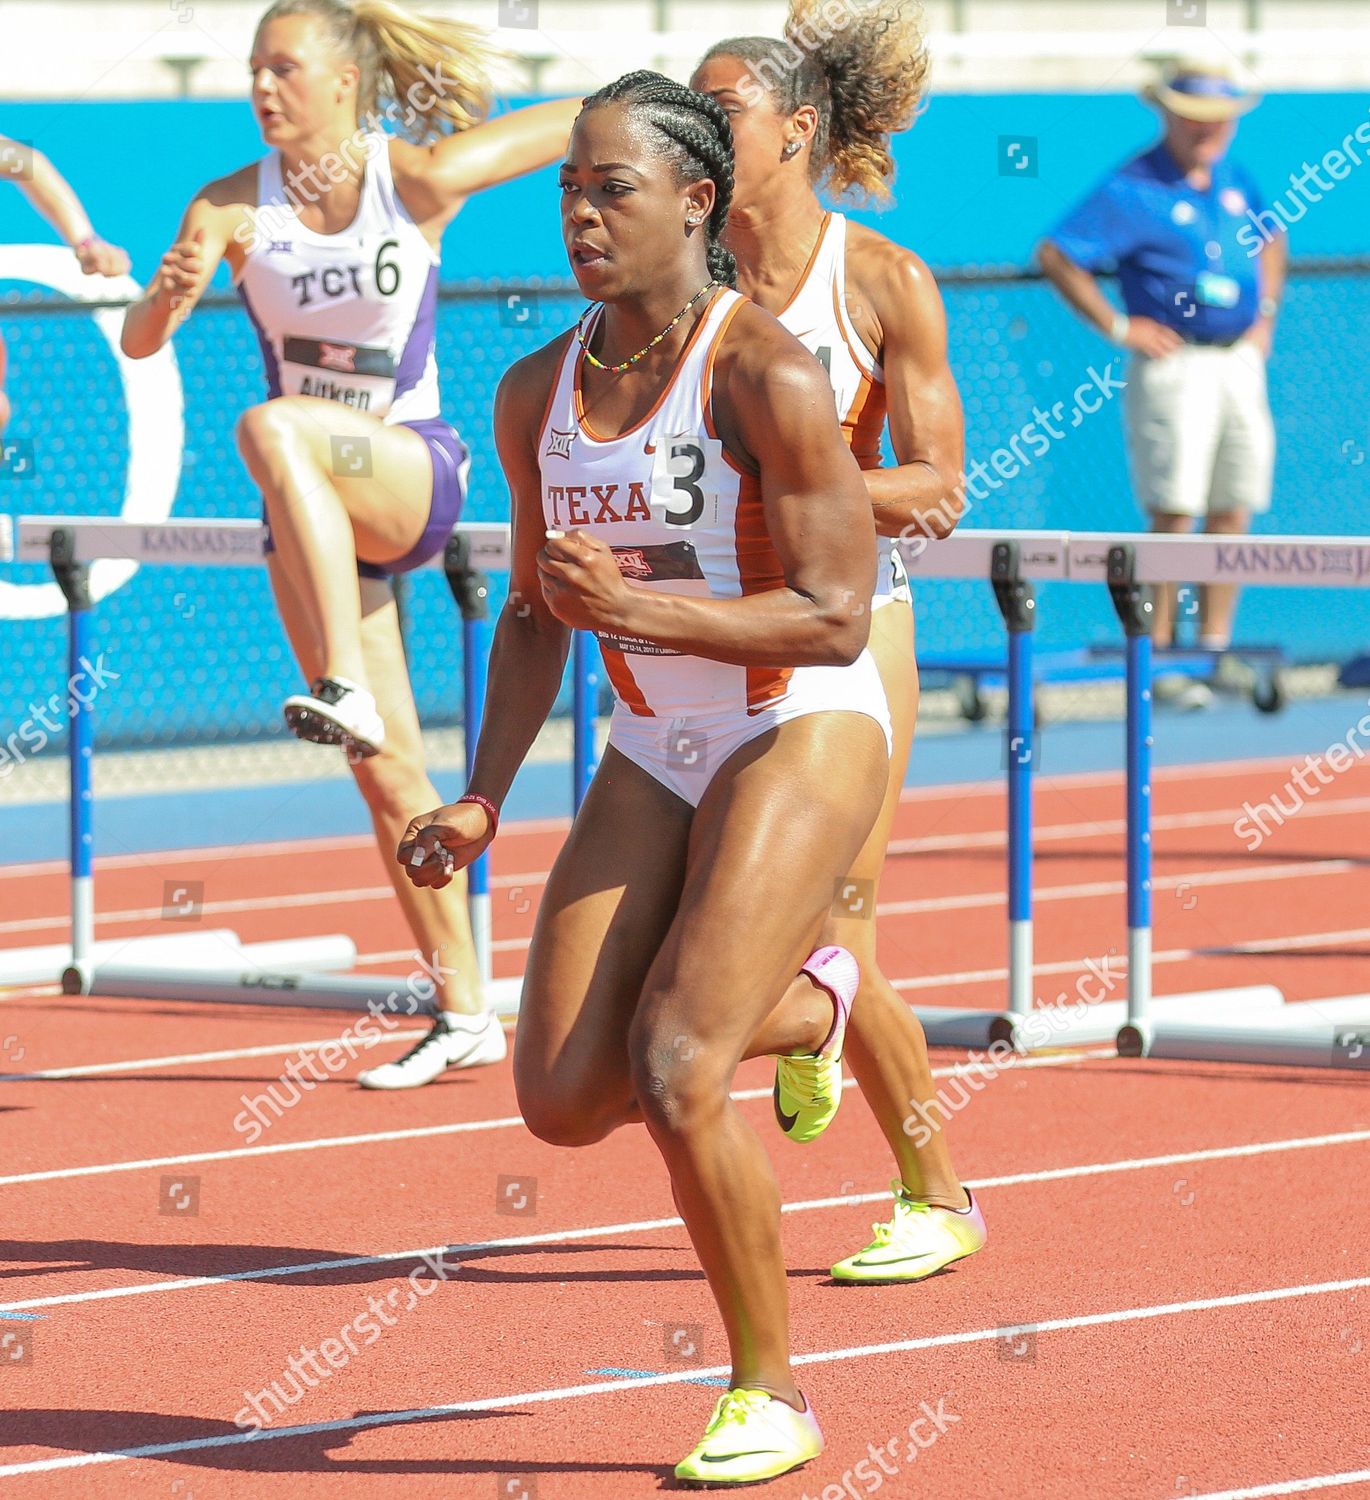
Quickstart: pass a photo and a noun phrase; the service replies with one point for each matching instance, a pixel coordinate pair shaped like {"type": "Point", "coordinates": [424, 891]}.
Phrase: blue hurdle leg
{"type": "Point", "coordinates": [1138, 835]}
{"type": "Point", "coordinates": [1022, 750]}
{"type": "Point", "coordinates": [73, 578]}
{"type": "Point", "coordinates": [1018, 606]}
{"type": "Point", "coordinates": [80, 753]}
{"type": "Point", "coordinates": [585, 704]}
{"type": "Point", "coordinates": [1133, 604]}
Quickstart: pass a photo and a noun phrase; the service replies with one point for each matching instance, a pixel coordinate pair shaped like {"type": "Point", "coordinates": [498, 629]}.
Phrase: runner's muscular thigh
{"type": "Point", "coordinates": [607, 905]}
{"type": "Point", "coordinates": [778, 827]}
{"type": "Point", "coordinates": [382, 473]}
{"type": "Point", "coordinates": [891, 644]}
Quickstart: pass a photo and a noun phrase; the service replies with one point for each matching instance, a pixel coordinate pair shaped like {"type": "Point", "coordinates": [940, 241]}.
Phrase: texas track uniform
{"type": "Point", "coordinates": [350, 317]}
{"type": "Point", "coordinates": [683, 518]}
{"type": "Point", "coordinates": [817, 316]}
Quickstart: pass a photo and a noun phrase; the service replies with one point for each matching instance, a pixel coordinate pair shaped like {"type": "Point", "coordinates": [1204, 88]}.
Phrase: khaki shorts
{"type": "Point", "coordinates": [1200, 438]}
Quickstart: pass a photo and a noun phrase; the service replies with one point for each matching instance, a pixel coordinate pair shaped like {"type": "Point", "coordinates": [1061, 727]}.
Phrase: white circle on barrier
{"type": "Point", "coordinates": [156, 419]}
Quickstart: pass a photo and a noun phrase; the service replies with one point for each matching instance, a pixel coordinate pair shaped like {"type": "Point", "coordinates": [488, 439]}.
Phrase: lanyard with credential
{"type": "Point", "coordinates": [1213, 287]}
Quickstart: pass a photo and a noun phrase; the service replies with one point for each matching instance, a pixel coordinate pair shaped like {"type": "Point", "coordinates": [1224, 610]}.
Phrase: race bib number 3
{"type": "Point", "coordinates": [685, 479]}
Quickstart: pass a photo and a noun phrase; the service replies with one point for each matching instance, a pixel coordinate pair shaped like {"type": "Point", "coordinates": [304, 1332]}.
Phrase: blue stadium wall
{"type": "Point", "coordinates": [201, 653]}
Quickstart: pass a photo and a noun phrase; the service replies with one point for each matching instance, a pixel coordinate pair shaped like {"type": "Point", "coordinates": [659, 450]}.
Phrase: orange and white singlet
{"type": "Point", "coordinates": [817, 316]}
{"type": "Point", "coordinates": [682, 518]}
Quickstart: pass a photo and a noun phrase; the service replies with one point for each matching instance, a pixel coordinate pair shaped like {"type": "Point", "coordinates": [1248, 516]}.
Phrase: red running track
{"type": "Point", "coordinates": [1175, 1299]}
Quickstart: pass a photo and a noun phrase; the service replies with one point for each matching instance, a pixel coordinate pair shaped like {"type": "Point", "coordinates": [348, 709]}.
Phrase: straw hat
{"type": "Point", "coordinates": [1200, 90]}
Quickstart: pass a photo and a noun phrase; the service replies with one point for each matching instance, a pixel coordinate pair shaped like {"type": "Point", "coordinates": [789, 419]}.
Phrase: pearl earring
{"type": "Point", "coordinates": [789, 150]}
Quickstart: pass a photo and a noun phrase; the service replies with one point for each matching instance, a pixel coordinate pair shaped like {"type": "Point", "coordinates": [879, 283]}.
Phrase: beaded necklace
{"type": "Point", "coordinates": [629, 363]}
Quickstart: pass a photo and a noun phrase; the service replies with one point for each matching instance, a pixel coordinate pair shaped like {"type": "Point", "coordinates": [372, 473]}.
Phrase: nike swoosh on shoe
{"type": "Point", "coordinates": [787, 1122]}
{"type": "Point", "coordinates": [727, 1458]}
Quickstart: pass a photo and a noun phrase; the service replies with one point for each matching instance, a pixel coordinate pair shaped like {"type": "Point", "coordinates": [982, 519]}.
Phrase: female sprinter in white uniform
{"type": "Point", "coordinates": [51, 195]}
{"type": "Point", "coordinates": [680, 486]}
{"type": "Point", "coordinates": [871, 313]}
{"type": "Point", "coordinates": [333, 240]}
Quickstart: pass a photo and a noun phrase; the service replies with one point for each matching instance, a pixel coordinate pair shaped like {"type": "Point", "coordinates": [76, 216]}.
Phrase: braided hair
{"type": "Point", "coordinates": [700, 144]}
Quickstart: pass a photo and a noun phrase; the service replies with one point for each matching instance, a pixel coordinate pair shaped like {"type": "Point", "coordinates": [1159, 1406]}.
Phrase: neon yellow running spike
{"type": "Point", "coordinates": [750, 1437]}
{"type": "Point", "coordinates": [808, 1088]}
{"type": "Point", "coordinates": [918, 1240]}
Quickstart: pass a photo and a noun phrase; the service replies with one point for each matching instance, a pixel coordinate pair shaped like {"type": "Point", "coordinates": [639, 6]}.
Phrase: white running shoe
{"type": "Point", "coordinates": [1233, 675]}
{"type": "Point", "coordinates": [455, 1041]}
{"type": "Point", "coordinates": [336, 711]}
{"type": "Point", "coordinates": [1180, 691]}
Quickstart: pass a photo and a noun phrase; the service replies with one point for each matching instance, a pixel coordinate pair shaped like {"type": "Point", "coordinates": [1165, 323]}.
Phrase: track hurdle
{"type": "Point", "coordinates": [215, 967]}
{"type": "Point", "coordinates": [1333, 1033]}
{"type": "Point", "coordinates": [1009, 561]}
{"type": "Point", "coordinates": [1249, 1023]}
{"type": "Point", "coordinates": [1243, 1024]}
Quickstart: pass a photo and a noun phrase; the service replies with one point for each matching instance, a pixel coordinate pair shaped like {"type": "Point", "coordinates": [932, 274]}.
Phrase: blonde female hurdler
{"type": "Point", "coordinates": [333, 242]}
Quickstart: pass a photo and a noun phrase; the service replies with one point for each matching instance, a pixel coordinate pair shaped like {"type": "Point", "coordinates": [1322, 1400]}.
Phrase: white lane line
{"type": "Point", "coordinates": [1304, 940]}
{"type": "Point", "coordinates": [400, 955]}
{"type": "Point", "coordinates": [422, 1132]}
{"type": "Point", "coordinates": [1165, 956]}
{"type": "Point", "coordinates": [137, 1064]}
{"type": "Point", "coordinates": [1291, 1486]}
{"type": "Point", "coordinates": [214, 908]}
{"type": "Point", "coordinates": [229, 1054]}
{"type": "Point", "coordinates": [338, 843]}
{"type": "Point", "coordinates": [296, 899]}
{"type": "Point", "coordinates": [253, 849]}
{"type": "Point", "coordinates": [1161, 823]}
{"type": "Point", "coordinates": [991, 899]}
{"type": "Point", "coordinates": [945, 791]}
{"type": "Point", "coordinates": [532, 879]}
{"type": "Point", "coordinates": [644, 1226]}
{"type": "Point", "coordinates": [1066, 781]}
{"type": "Point", "coordinates": [606, 1387]}
{"type": "Point", "coordinates": [1293, 871]}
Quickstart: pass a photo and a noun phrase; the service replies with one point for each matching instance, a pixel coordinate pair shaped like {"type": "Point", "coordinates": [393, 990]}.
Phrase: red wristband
{"type": "Point", "coordinates": [491, 811]}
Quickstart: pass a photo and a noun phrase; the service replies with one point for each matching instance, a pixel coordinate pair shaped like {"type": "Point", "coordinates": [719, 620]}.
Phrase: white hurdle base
{"type": "Point", "coordinates": [300, 958]}
{"type": "Point", "coordinates": [948, 1026]}
{"type": "Point", "coordinates": [45, 965]}
{"type": "Point", "coordinates": [256, 983]}
{"type": "Point", "coordinates": [1085, 1025]}
{"type": "Point", "coordinates": [503, 996]}
{"type": "Point", "coordinates": [1305, 1034]}
{"type": "Point", "coordinates": [1352, 1010]}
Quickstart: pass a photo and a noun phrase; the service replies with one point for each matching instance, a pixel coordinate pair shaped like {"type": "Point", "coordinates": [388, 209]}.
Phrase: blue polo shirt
{"type": "Point", "coordinates": [1180, 255]}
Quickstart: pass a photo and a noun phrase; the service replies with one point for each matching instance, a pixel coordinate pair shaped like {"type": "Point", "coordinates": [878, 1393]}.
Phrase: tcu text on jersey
{"type": "Point", "coordinates": [342, 281]}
